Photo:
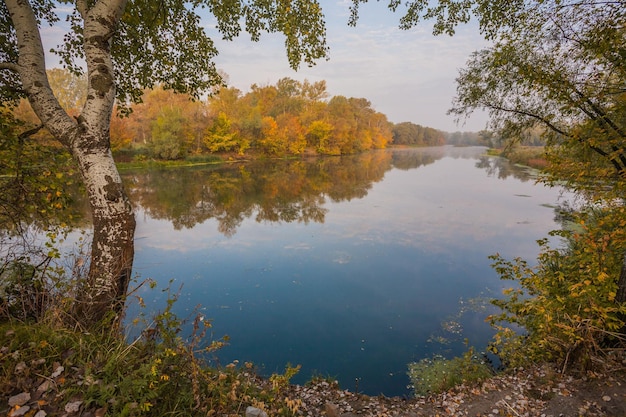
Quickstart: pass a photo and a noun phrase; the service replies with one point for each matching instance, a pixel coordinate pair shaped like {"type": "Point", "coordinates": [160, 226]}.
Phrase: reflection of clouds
{"type": "Point", "coordinates": [298, 246]}
{"type": "Point", "coordinates": [342, 257]}
{"type": "Point", "coordinates": [439, 208]}
{"type": "Point", "coordinates": [446, 206]}
{"type": "Point", "coordinates": [160, 234]}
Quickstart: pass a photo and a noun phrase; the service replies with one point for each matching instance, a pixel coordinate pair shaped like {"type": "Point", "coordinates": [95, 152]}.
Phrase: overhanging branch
{"type": "Point", "coordinates": [28, 133]}
{"type": "Point", "coordinates": [616, 164]}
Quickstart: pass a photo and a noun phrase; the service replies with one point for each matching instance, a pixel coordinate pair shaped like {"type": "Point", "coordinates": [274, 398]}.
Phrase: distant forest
{"type": "Point", "coordinates": [288, 118]}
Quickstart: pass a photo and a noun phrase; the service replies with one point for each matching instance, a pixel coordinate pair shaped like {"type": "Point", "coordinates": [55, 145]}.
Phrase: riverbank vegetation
{"type": "Point", "coordinates": [53, 370]}
{"type": "Point", "coordinates": [530, 156]}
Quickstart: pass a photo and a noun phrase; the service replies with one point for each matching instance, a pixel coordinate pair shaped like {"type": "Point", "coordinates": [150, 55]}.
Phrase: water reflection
{"type": "Point", "coordinates": [502, 168]}
{"type": "Point", "coordinates": [274, 191]}
{"type": "Point", "coordinates": [280, 190]}
{"type": "Point", "coordinates": [348, 266]}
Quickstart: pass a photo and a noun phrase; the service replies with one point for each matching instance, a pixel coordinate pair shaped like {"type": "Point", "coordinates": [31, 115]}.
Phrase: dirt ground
{"type": "Point", "coordinates": [540, 392]}
{"type": "Point", "coordinates": [535, 392]}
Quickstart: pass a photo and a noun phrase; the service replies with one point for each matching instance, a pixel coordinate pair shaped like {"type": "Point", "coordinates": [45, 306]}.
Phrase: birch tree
{"type": "Point", "coordinates": [125, 46]}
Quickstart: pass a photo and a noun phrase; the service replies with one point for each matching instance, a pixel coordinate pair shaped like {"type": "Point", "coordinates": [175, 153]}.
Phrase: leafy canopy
{"type": "Point", "coordinates": [164, 43]}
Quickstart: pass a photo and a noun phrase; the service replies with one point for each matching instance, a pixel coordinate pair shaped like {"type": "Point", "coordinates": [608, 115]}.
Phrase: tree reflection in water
{"type": "Point", "coordinates": [268, 190]}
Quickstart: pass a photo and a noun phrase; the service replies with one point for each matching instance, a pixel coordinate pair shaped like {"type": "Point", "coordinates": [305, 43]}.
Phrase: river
{"type": "Point", "coordinates": [349, 266]}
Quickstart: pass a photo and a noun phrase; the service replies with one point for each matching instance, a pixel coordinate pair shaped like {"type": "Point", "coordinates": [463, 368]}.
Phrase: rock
{"type": "Point", "coordinates": [73, 407]}
{"type": "Point", "coordinates": [19, 399]}
{"type": "Point", "coordinates": [45, 386]}
{"type": "Point", "coordinates": [41, 413]}
{"type": "Point", "coordinates": [331, 410]}
{"type": "Point", "coordinates": [20, 411]}
{"type": "Point", "coordinates": [255, 412]}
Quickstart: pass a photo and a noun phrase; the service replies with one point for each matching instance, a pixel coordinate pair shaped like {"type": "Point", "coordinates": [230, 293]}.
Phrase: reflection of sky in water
{"type": "Point", "coordinates": [359, 295]}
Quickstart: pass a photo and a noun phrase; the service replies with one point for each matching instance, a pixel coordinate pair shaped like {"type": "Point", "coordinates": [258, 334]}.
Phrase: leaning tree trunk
{"type": "Point", "coordinates": [101, 295]}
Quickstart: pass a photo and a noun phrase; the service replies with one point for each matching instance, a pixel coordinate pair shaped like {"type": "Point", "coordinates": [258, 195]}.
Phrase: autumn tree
{"type": "Point", "coordinates": [407, 133]}
{"type": "Point", "coordinates": [127, 46]}
{"type": "Point", "coordinates": [222, 136]}
{"type": "Point", "coordinates": [291, 116]}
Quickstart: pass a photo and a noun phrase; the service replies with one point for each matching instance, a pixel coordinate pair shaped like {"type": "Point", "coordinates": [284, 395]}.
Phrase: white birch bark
{"type": "Point", "coordinates": [87, 138]}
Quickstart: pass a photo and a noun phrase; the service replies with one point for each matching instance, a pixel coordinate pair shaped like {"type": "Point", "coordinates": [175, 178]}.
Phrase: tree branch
{"type": "Point", "coordinates": [28, 133]}
{"type": "Point", "coordinates": [604, 118]}
{"type": "Point", "coordinates": [81, 6]}
{"type": "Point", "coordinates": [31, 68]}
{"type": "Point", "coordinates": [606, 124]}
{"type": "Point", "coordinates": [620, 169]}
{"type": "Point", "coordinates": [528, 114]}
{"type": "Point", "coordinates": [9, 66]}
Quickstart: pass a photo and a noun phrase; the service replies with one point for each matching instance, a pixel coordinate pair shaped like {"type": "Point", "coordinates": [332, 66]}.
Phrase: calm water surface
{"type": "Point", "coordinates": [352, 266]}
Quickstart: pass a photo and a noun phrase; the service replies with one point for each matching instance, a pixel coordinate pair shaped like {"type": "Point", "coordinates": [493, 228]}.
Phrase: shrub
{"type": "Point", "coordinates": [437, 374]}
{"type": "Point", "coordinates": [564, 309]}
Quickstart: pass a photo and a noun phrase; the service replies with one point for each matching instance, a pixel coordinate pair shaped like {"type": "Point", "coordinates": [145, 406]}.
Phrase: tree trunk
{"type": "Point", "coordinates": [101, 296]}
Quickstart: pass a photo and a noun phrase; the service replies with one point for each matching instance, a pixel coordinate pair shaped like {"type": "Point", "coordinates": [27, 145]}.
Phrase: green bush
{"type": "Point", "coordinates": [564, 310]}
{"type": "Point", "coordinates": [437, 374]}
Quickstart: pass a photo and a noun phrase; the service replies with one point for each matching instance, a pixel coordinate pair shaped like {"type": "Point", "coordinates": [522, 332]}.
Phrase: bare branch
{"type": "Point", "coordinates": [30, 132]}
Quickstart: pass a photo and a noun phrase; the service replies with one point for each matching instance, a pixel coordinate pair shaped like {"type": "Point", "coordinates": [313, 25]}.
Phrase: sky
{"type": "Point", "coordinates": [408, 75]}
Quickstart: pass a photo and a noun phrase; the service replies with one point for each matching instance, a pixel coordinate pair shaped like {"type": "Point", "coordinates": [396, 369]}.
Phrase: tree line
{"type": "Point", "coordinates": [288, 118]}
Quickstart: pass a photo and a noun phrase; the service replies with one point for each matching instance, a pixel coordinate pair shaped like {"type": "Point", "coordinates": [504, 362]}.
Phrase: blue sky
{"type": "Point", "coordinates": [407, 75]}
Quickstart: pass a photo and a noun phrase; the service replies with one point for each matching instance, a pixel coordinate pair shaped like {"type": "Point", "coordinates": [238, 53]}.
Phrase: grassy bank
{"type": "Point", "coordinates": [59, 371]}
